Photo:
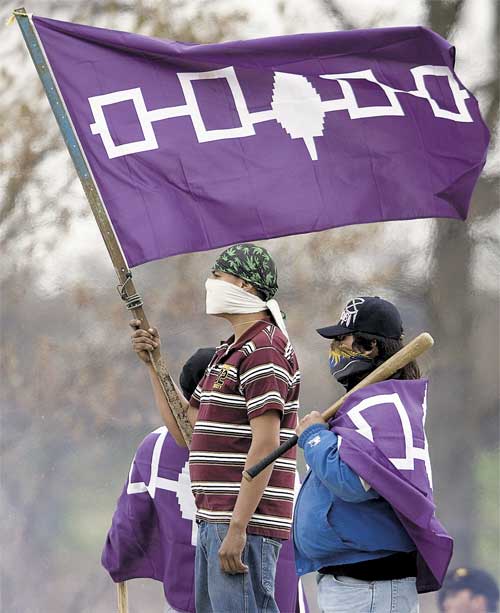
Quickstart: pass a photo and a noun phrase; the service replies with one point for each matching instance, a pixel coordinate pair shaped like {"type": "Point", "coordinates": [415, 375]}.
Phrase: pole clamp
{"type": "Point", "coordinates": [134, 301]}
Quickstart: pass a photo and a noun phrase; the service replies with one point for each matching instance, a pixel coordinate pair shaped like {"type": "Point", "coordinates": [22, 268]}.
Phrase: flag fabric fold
{"type": "Point", "coordinates": [195, 147]}
{"type": "Point", "coordinates": [381, 432]}
{"type": "Point", "coordinates": [153, 531]}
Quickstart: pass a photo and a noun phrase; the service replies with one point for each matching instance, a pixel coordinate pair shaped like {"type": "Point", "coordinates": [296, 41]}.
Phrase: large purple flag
{"type": "Point", "coordinates": [199, 146]}
{"type": "Point", "coordinates": [382, 438]}
{"type": "Point", "coordinates": [153, 532]}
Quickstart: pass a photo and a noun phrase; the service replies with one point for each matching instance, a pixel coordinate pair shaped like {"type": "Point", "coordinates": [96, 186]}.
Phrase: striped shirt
{"type": "Point", "coordinates": [258, 373]}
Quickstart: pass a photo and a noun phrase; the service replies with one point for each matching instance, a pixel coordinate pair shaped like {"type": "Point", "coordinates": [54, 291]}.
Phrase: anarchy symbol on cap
{"type": "Point", "coordinates": [351, 311]}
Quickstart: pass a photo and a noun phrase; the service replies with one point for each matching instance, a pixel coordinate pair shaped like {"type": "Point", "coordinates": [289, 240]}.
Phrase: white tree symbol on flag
{"type": "Point", "coordinates": [295, 105]}
{"type": "Point", "coordinates": [292, 94]}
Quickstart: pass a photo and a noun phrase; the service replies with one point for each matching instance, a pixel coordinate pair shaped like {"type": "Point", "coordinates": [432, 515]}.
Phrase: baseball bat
{"type": "Point", "coordinates": [408, 353]}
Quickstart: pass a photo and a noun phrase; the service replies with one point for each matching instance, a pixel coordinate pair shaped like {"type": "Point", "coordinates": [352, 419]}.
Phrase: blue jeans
{"type": "Point", "coordinates": [219, 592]}
{"type": "Point", "coordinates": [338, 594]}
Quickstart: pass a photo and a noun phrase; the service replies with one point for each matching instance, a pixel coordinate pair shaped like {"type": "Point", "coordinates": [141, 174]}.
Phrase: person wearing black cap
{"type": "Point", "coordinates": [246, 400]}
{"type": "Point", "coordinates": [468, 590]}
{"type": "Point", "coordinates": [365, 559]}
{"type": "Point", "coordinates": [370, 330]}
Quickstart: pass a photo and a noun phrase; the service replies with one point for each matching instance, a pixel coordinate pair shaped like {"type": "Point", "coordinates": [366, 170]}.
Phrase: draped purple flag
{"type": "Point", "coordinates": [382, 438]}
{"type": "Point", "coordinates": [153, 532]}
{"type": "Point", "coordinates": [199, 146]}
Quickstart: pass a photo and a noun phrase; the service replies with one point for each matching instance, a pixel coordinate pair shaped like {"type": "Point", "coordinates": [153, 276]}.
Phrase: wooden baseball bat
{"type": "Point", "coordinates": [397, 361]}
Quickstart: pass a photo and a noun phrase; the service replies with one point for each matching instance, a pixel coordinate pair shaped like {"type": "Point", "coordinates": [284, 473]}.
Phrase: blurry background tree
{"type": "Point", "coordinates": [75, 403]}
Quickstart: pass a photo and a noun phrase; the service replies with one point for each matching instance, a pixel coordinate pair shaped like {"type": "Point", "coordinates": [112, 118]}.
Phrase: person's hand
{"type": "Point", "coordinates": [231, 550]}
{"type": "Point", "coordinates": [144, 341]}
{"type": "Point", "coordinates": [314, 417]}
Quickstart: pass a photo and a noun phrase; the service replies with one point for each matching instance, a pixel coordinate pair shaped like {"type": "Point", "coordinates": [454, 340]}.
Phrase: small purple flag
{"type": "Point", "coordinates": [195, 147]}
{"type": "Point", "coordinates": [153, 532]}
{"type": "Point", "coordinates": [382, 438]}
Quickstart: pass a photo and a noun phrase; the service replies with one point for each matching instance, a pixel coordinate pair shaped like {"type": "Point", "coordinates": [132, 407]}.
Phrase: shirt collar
{"type": "Point", "coordinates": [247, 336]}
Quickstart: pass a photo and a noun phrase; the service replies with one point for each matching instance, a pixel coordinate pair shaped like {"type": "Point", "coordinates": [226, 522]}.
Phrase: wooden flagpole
{"type": "Point", "coordinates": [126, 287]}
{"type": "Point", "coordinates": [122, 595]}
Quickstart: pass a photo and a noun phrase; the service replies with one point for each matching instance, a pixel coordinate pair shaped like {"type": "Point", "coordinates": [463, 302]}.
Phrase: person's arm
{"type": "Point", "coordinates": [265, 438]}
{"type": "Point", "coordinates": [172, 404]}
{"type": "Point", "coordinates": [177, 414]}
{"type": "Point", "coordinates": [321, 453]}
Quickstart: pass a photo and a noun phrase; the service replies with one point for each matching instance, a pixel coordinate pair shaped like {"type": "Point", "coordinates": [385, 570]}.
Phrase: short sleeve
{"type": "Point", "coordinates": [195, 399]}
{"type": "Point", "coordinates": [265, 382]}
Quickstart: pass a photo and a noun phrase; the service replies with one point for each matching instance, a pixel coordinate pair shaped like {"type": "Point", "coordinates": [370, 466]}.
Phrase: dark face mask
{"type": "Point", "coordinates": [346, 364]}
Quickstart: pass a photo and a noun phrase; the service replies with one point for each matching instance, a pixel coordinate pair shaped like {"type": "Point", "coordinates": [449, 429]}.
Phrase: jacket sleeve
{"type": "Point", "coordinates": [321, 452]}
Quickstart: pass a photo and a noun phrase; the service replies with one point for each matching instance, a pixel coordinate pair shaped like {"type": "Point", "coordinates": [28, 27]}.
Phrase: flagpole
{"type": "Point", "coordinates": [122, 596]}
{"type": "Point", "coordinates": [126, 287]}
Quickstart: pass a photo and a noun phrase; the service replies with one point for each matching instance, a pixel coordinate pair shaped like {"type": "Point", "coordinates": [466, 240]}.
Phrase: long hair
{"type": "Point", "coordinates": [387, 347]}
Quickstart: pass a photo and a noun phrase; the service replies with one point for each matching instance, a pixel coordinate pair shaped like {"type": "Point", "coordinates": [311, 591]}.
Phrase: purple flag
{"type": "Point", "coordinates": [153, 532]}
{"type": "Point", "coordinates": [382, 438]}
{"type": "Point", "coordinates": [200, 146]}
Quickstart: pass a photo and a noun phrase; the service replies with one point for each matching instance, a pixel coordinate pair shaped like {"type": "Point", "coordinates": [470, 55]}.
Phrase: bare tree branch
{"type": "Point", "coordinates": [334, 11]}
{"type": "Point", "coordinates": [443, 16]}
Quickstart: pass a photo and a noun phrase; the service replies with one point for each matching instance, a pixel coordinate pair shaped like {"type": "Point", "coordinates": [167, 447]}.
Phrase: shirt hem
{"type": "Point", "coordinates": [283, 535]}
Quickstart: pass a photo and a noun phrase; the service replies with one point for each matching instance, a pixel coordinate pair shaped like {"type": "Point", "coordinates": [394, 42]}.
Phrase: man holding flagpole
{"type": "Point", "coordinates": [153, 534]}
{"type": "Point", "coordinates": [245, 405]}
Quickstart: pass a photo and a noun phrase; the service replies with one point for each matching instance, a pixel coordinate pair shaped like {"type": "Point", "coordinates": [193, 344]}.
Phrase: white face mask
{"type": "Point", "coordinates": [224, 297]}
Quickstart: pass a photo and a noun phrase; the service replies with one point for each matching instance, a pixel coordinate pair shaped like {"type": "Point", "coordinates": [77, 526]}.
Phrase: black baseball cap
{"type": "Point", "coordinates": [479, 582]}
{"type": "Point", "coordinates": [370, 315]}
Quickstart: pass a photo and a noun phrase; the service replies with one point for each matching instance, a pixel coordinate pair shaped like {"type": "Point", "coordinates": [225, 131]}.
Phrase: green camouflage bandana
{"type": "Point", "coordinates": [252, 264]}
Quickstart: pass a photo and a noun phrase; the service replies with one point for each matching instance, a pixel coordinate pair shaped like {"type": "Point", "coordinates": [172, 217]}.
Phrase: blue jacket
{"type": "Point", "coordinates": [337, 519]}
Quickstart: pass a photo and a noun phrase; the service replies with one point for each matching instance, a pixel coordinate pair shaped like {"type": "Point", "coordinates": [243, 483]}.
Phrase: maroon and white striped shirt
{"type": "Point", "coordinates": [258, 373]}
